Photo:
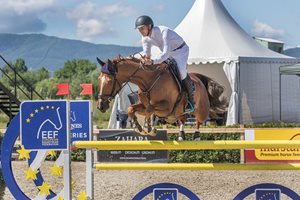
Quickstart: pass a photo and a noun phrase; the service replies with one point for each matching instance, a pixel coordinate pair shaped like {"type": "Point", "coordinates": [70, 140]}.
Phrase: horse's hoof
{"type": "Point", "coordinates": [196, 136]}
{"type": "Point", "coordinates": [140, 132]}
{"type": "Point", "coordinates": [197, 139]}
{"type": "Point", "coordinates": [181, 136]}
{"type": "Point", "coordinates": [153, 132]}
{"type": "Point", "coordinates": [147, 129]}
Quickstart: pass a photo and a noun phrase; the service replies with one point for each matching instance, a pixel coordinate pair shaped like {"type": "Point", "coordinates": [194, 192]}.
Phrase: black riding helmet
{"type": "Point", "coordinates": [143, 21]}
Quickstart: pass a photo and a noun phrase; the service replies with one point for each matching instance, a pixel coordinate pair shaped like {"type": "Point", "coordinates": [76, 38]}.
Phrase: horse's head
{"type": "Point", "coordinates": [109, 84]}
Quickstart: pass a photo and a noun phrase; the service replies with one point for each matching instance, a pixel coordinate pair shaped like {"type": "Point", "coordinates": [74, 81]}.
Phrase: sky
{"type": "Point", "coordinates": [112, 21]}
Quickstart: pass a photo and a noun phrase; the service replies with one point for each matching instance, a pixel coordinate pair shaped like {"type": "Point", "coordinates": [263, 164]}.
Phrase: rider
{"type": "Point", "coordinates": [170, 44]}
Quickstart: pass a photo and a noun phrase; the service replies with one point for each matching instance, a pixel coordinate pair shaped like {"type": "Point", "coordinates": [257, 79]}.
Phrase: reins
{"type": "Point", "coordinates": [113, 93]}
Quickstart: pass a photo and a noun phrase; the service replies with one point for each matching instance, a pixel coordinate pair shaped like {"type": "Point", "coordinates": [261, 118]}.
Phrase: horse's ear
{"type": "Point", "coordinates": [100, 62]}
{"type": "Point", "coordinates": [111, 67]}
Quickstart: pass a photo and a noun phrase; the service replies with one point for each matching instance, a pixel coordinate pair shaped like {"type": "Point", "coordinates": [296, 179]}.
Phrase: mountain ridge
{"type": "Point", "coordinates": [294, 52]}
{"type": "Point", "coordinates": [39, 50]}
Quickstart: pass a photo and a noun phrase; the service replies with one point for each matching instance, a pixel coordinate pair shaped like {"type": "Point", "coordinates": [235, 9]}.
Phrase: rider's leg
{"type": "Point", "coordinates": [189, 87]}
{"type": "Point", "coordinates": [181, 57]}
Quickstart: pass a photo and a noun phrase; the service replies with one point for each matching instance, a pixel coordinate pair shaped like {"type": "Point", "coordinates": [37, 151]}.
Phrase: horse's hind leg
{"type": "Point", "coordinates": [197, 131]}
{"type": "Point", "coordinates": [181, 134]}
{"type": "Point", "coordinates": [149, 127]}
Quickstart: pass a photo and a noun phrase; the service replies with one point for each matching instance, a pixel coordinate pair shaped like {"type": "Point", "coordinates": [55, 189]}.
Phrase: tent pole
{"type": "Point", "coordinates": [279, 96]}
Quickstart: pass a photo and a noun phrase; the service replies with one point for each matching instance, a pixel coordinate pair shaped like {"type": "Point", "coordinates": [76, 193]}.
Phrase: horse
{"type": "Point", "coordinates": [158, 94]}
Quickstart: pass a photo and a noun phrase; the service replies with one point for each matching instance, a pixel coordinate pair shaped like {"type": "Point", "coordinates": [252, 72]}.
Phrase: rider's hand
{"type": "Point", "coordinates": [162, 66]}
{"type": "Point", "coordinates": [146, 61]}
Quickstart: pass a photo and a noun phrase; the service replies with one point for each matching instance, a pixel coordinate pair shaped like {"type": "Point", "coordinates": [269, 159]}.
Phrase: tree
{"type": "Point", "coordinates": [8, 75]}
{"type": "Point", "coordinates": [19, 67]}
{"type": "Point", "coordinates": [75, 72]}
{"type": "Point", "coordinates": [46, 88]}
{"type": "Point", "coordinates": [94, 80]}
{"type": "Point", "coordinates": [32, 77]}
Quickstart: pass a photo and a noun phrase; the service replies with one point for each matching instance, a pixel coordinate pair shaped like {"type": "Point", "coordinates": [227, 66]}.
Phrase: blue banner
{"type": "Point", "coordinates": [80, 120]}
{"type": "Point", "coordinates": [44, 125]}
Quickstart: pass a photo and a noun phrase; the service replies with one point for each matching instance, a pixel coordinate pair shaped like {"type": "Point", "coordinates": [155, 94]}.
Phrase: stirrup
{"type": "Point", "coordinates": [189, 108]}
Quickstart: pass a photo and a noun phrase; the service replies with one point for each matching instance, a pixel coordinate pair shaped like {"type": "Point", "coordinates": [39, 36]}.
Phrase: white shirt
{"type": "Point", "coordinates": [165, 39]}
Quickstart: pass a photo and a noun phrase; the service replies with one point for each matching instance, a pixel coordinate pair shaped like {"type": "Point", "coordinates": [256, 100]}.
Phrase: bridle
{"type": "Point", "coordinates": [105, 69]}
{"type": "Point", "coordinates": [113, 93]}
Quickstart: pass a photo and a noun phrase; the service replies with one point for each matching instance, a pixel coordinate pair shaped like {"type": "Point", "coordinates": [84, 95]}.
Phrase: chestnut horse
{"type": "Point", "coordinates": [158, 93]}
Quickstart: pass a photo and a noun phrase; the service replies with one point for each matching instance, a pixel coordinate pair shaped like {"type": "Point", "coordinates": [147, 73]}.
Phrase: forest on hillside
{"type": "Point", "coordinates": [73, 72]}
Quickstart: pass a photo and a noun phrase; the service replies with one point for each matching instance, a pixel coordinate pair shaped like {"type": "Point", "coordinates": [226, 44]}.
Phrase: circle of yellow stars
{"type": "Point", "coordinates": [36, 111]}
{"type": "Point", "coordinates": [55, 171]}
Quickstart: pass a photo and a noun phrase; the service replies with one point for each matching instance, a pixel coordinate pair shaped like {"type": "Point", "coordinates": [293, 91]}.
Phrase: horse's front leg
{"type": "Point", "coordinates": [140, 108]}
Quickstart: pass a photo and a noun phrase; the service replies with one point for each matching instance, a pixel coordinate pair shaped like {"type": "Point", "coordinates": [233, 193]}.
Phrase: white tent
{"type": "Point", "coordinates": [220, 49]}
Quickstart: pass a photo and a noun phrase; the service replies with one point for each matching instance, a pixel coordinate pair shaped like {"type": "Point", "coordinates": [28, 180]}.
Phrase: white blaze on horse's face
{"type": "Point", "coordinates": [103, 103]}
{"type": "Point", "coordinates": [102, 83]}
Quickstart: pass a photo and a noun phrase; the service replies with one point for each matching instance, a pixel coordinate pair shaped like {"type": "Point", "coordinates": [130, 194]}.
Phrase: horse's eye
{"type": "Point", "coordinates": [108, 79]}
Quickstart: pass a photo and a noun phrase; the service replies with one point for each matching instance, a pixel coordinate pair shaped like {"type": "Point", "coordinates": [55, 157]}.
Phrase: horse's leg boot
{"type": "Point", "coordinates": [189, 87]}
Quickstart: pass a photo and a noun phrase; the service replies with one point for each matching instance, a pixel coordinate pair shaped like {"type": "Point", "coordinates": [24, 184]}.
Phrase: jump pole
{"type": "Point", "coordinates": [194, 166]}
{"type": "Point", "coordinates": [187, 145]}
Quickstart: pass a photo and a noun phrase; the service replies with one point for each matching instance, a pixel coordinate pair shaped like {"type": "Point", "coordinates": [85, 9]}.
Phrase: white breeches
{"type": "Point", "coordinates": [181, 57]}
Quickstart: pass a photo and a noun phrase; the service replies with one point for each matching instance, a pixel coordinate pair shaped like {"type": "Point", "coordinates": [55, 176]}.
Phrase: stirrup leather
{"type": "Point", "coordinates": [189, 108]}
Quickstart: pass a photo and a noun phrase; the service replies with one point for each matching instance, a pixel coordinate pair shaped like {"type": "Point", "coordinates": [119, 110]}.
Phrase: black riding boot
{"type": "Point", "coordinates": [189, 88]}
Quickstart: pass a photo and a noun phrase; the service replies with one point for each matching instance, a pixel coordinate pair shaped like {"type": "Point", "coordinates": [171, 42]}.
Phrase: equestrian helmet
{"type": "Point", "coordinates": [143, 21]}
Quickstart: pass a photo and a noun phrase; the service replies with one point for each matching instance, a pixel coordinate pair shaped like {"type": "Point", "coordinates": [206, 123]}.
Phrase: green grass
{"type": "Point", "coordinates": [207, 156]}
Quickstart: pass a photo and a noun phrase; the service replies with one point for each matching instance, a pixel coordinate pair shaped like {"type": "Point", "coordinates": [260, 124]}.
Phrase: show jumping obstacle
{"type": "Point", "coordinates": [189, 145]}
{"type": "Point", "coordinates": [13, 132]}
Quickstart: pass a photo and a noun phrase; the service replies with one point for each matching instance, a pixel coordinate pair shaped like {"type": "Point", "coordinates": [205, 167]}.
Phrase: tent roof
{"type": "Point", "coordinates": [290, 69]}
{"type": "Point", "coordinates": [214, 36]}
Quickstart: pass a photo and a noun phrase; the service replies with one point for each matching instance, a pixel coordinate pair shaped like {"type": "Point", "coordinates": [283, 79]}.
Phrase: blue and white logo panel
{"type": "Point", "coordinates": [165, 194]}
{"type": "Point", "coordinates": [267, 194]}
{"type": "Point", "coordinates": [267, 191]}
{"type": "Point", "coordinates": [165, 191]}
{"type": "Point", "coordinates": [80, 120]}
{"type": "Point", "coordinates": [44, 125]}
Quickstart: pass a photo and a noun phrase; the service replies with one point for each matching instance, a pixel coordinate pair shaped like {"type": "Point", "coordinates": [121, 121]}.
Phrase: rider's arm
{"type": "Point", "coordinates": [146, 47]}
{"type": "Point", "coordinates": [164, 55]}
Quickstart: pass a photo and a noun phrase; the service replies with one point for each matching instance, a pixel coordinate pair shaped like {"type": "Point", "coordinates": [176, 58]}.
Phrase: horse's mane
{"type": "Point", "coordinates": [120, 58]}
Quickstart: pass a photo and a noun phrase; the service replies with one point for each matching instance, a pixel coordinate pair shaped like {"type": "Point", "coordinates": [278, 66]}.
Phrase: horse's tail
{"type": "Point", "coordinates": [218, 104]}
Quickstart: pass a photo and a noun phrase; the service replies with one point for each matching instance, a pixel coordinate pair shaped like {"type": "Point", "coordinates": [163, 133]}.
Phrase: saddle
{"type": "Point", "coordinates": [173, 68]}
